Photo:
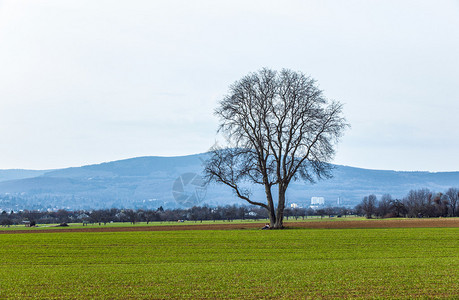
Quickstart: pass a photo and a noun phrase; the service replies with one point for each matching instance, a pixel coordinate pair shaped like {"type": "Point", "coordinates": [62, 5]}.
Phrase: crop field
{"type": "Point", "coordinates": [311, 223]}
{"type": "Point", "coordinates": [235, 263]}
{"type": "Point", "coordinates": [176, 223]}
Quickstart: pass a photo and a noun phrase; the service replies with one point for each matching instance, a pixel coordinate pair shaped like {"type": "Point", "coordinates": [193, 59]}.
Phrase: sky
{"type": "Point", "coordinates": [84, 81]}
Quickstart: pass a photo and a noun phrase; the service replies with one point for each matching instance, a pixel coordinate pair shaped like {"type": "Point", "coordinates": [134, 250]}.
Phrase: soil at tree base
{"type": "Point", "coordinates": [334, 224]}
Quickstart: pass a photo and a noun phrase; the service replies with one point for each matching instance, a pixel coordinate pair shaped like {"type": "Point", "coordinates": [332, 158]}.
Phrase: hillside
{"type": "Point", "coordinates": [171, 182]}
{"type": "Point", "coordinates": [14, 174]}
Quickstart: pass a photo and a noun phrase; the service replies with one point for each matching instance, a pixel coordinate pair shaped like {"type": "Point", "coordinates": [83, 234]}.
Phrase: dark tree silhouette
{"type": "Point", "coordinates": [279, 128]}
{"type": "Point", "coordinates": [453, 197]}
{"type": "Point", "coordinates": [384, 206]}
{"type": "Point", "coordinates": [398, 207]}
{"type": "Point", "coordinates": [369, 204]}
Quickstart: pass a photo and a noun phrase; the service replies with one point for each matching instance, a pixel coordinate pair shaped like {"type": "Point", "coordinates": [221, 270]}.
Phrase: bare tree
{"type": "Point", "coordinates": [453, 197]}
{"type": "Point", "coordinates": [440, 205]}
{"type": "Point", "coordinates": [418, 203]}
{"type": "Point", "coordinates": [279, 128]}
{"type": "Point", "coordinates": [369, 204]}
{"type": "Point", "coordinates": [384, 206]}
{"type": "Point", "coordinates": [399, 208]}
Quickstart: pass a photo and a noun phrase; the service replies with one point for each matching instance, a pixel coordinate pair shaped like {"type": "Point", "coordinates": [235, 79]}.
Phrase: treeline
{"type": "Point", "coordinates": [416, 204]}
{"type": "Point", "coordinates": [104, 216]}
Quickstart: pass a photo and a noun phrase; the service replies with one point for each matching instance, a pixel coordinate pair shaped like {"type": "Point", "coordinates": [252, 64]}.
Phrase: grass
{"type": "Point", "coordinates": [139, 224]}
{"type": "Point", "coordinates": [124, 224]}
{"type": "Point", "coordinates": [293, 263]}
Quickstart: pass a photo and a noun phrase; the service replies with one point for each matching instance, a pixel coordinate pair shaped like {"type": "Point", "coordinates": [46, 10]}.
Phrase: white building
{"type": "Point", "coordinates": [316, 201]}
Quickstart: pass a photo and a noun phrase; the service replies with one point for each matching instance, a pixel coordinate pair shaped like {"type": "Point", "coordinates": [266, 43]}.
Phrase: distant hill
{"type": "Point", "coordinates": [171, 182]}
{"type": "Point", "coordinates": [14, 174]}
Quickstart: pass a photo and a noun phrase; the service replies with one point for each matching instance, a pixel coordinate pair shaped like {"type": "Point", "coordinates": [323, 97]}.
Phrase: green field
{"type": "Point", "coordinates": [156, 223]}
{"type": "Point", "coordinates": [175, 223]}
{"type": "Point", "coordinates": [292, 263]}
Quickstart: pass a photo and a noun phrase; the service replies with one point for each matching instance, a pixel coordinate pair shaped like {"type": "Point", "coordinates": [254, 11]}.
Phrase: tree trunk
{"type": "Point", "coordinates": [280, 209]}
{"type": "Point", "coordinates": [279, 224]}
{"type": "Point", "coordinates": [272, 217]}
{"type": "Point", "coordinates": [271, 210]}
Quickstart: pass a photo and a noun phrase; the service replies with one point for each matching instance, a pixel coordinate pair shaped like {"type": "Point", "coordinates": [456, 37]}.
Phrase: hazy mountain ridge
{"type": "Point", "coordinates": [14, 174]}
{"type": "Point", "coordinates": [148, 182]}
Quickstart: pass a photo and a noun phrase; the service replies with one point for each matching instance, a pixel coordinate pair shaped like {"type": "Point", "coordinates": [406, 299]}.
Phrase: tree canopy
{"type": "Point", "coordinates": [279, 128]}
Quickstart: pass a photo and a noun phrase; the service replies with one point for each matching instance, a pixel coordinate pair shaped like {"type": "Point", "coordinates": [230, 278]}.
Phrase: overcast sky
{"type": "Point", "coordinates": [89, 81]}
